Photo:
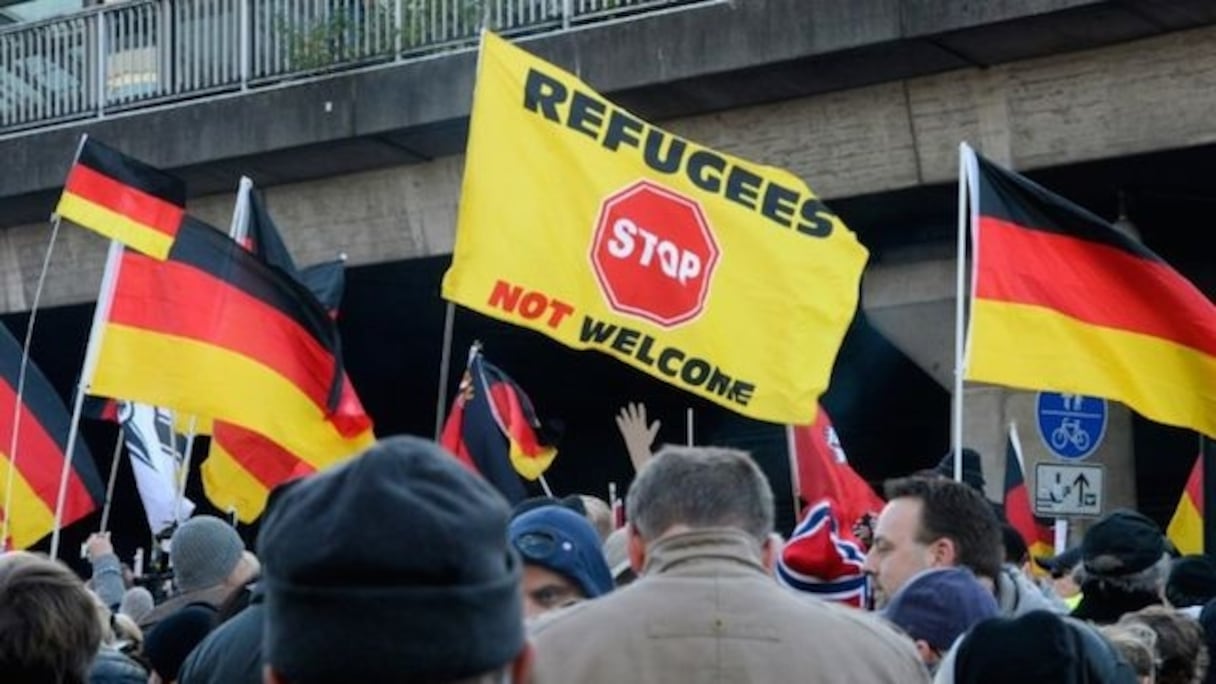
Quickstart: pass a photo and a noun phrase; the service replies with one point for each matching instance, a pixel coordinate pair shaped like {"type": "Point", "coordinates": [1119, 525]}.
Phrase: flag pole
{"type": "Point", "coordinates": [25, 362]}
{"type": "Point", "coordinates": [445, 358]}
{"type": "Point", "coordinates": [956, 428]}
{"type": "Point", "coordinates": [184, 476]}
{"type": "Point", "coordinates": [544, 484]}
{"type": "Point", "coordinates": [792, 452]}
{"type": "Point", "coordinates": [1207, 452]}
{"type": "Point", "coordinates": [239, 227]}
{"type": "Point", "coordinates": [105, 510]}
{"type": "Point", "coordinates": [100, 313]}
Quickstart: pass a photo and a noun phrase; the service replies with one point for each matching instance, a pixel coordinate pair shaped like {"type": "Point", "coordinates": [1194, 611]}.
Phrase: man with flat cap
{"type": "Point", "coordinates": [392, 567]}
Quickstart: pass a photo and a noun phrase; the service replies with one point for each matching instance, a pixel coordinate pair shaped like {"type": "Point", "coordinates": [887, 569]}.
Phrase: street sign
{"type": "Point", "coordinates": [1063, 489]}
{"type": "Point", "coordinates": [1071, 425]}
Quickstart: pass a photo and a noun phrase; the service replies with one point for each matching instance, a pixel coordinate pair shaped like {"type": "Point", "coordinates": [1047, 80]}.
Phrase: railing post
{"type": "Point", "coordinates": [101, 64]}
{"type": "Point", "coordinates": [398, 28]}
{"type": "Point", "coordinates": [567, 13]}
{"type": "Point", "coordinates": [246, 35]}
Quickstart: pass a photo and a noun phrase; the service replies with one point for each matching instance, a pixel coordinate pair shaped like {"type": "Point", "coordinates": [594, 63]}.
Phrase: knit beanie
{"type": "Point", "coordinates": [824, 560]}
{"type": "Point", "coordinates": [393, 566]}
{"type": "Point", "coordinates": [1192, 581]}
{"type": "Point", "coordinates": [136, 603]}
{"type": "Point", "coordinates": [562, 541]}
{"type": "Point", "coordinates": [204, 551]}
{"type": "Point", "coordinates": [1037, 647]}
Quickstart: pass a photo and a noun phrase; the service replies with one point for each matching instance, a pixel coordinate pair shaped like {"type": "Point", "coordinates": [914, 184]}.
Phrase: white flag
{"type": "Point", "coordinates": [156, 461]}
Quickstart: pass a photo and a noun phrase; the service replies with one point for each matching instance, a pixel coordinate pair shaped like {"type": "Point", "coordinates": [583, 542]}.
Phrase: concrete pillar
{"type": "Point", "coordinates": [12, 284]}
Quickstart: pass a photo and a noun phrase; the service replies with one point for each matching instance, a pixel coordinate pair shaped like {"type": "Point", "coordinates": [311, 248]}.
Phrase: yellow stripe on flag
{"type": "Point", "coordinates": [1186, 527]}
{"type": "Point", "coordinates": [114, 225]}
{"type": "Point", "coordinates": [153, 368]}
{"type": "Point", "coordinates": [230, 487]}
{"type": "Point", "coordinates": [1030, 347]}
{"type": "Point", "coordinates": [30, 518]}
{"type": "Point", "coordinates": [726, 278]}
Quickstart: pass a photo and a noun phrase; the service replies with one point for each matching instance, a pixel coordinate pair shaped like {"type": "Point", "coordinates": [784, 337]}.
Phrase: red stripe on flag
{"type": "Point", "coordinates": [139, 206]}
{"type": "Point", "coordinates": [1194, 485]}
{"type": "Point", "coordinates": [248, 326]}
{"type": "Point", "coordinates": [264, 459]}
{"type": "Point", "coordinates": [1093, 283]}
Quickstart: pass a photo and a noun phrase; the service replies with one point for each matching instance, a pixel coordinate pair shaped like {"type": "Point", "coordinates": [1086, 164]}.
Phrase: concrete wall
{"type": "Point", "coordinates": [1036, 113]}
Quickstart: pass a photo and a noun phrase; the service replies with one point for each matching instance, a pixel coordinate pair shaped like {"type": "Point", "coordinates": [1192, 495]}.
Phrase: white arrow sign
{"type": "Point", "coordinates": [1067, 489]}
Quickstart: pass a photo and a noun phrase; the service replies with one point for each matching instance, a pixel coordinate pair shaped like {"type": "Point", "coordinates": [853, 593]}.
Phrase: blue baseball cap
{"type": "Point", "coordinates": [558, 539]}
{"type": "Point", "coordinates": [939, 604]}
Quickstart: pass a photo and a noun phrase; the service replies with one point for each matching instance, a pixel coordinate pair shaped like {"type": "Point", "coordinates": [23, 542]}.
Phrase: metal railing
{"type": "Point", "coordinates": [139, 52]}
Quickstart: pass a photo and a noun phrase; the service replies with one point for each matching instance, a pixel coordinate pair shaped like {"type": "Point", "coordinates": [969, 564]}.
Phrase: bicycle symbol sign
{"type": "Point", "coordinates": [1071, 425]}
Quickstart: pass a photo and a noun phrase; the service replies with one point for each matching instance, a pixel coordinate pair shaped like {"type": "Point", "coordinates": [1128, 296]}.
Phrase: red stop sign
{"type": "Point", "coordinates": [654, 254]}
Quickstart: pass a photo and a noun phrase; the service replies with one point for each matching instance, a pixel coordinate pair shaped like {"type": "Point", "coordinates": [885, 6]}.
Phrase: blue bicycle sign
{"type": "Point", "coordinates": [1071, 425]}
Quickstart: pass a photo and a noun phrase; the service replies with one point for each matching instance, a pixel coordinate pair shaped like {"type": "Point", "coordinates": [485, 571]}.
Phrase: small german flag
{"type": "Point", "coordinates": [493, 429]}
{"type": "Point", "coordinates": [123, 199]}
{"type": "Point", "coordinates": [1186, 526]}
{"type": "Point", "coordinates": [1065, 302]}
{"type": "Point", "coordinates": [39, 456]}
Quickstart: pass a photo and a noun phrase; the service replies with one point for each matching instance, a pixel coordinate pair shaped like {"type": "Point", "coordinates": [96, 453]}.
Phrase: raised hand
{"type": "Point", "coordinates": [638, 435]}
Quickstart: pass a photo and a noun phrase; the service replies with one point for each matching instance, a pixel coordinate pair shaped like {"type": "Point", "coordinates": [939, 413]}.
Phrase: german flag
{"type": "Point", "coordinates": [1063, 301]}
{"type": "Point", "coordinates": [1037, 533]}
{"type": "Point", "coordinates": [1186, 527]}
{"type": "Point", "coordinates": [124, 199]}
{"type": "Point", "coordinates": [214, 332]}
{"type": "Point", "coordinates": [242, 466]}
{"type": "Point", "coordinates": [41, 444]}
{"type": "Point", "coordinates": [494, 430]}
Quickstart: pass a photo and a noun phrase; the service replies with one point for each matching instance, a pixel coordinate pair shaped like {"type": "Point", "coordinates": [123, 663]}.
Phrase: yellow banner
{"type": "Point", "coordinates": [579, 220]}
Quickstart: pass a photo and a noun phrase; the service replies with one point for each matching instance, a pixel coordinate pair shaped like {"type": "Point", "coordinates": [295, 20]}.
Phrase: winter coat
{"type": "Point", "coordinates": [706, 610]}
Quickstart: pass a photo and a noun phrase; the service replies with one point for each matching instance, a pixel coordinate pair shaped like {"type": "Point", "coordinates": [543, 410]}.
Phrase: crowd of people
{"type": "Point", "coordinates": [402, 565]}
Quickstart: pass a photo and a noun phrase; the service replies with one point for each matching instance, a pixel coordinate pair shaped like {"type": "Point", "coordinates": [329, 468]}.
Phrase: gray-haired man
{"type": "Point", "coordinates": [705, 607]}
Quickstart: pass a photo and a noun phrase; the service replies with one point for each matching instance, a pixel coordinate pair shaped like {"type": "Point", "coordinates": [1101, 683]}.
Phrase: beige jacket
{"type": "Point", "coordinates": [705, 610]}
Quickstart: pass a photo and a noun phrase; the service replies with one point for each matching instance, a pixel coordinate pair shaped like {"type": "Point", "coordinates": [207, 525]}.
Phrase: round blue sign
{"type": "Point", "coordinates": [1071, 425]}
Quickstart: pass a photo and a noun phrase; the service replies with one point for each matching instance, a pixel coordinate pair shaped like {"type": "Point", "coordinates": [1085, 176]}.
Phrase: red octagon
{"type": "Point", "coordinates": [654, 254]}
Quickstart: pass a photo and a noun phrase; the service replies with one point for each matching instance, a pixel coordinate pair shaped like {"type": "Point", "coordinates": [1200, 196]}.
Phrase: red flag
{"type": "Point", "coordinates": [1037, 534]}
{"type": "Point", "coordinates": [821, 471]}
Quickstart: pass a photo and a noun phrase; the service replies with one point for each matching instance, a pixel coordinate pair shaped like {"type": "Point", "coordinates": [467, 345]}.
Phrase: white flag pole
{"type": "Point", "coordinates": [25, 362]}
{"type": "Point", "coordinates": [105, 510]}
{"type": "Point", "coordinates": [956, 431]}
{"type": "Point", "coordinates": [239, 227]}
{"type": "Point", "coordinates": [101, 312]}
{"type": "Point", "coordinates": [689, 426]}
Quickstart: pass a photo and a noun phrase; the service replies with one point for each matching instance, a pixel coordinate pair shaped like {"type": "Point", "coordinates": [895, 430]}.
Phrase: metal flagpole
{"type": "Point", "coordinates": [1207, 452]}
{"type": "Point", "coordinates": [105, 511]}
{"type": "Point", "coordinates": [184, 475]}
{"type": "Point", "coordinates": [544, 484]}
{"type": "Point", "coordinates": [956, 437]}
{"type": "Point", "coordinates": [100, 313]}
{"type": "Point", "coordinates": [239, 227]}
{"type": "Point", "coordinates": [25, 362]}
{"type": "Point", "coordinates": [445, 357]}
